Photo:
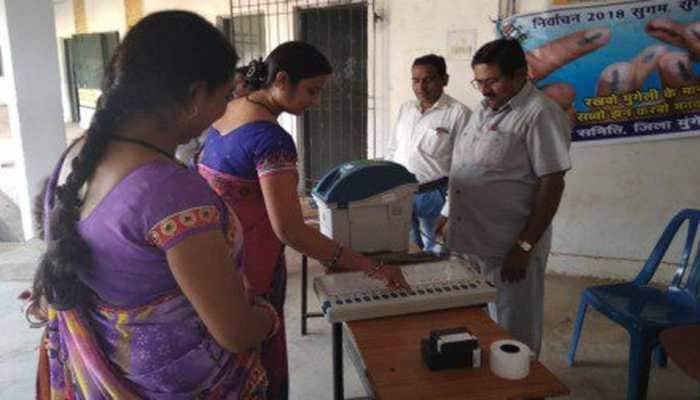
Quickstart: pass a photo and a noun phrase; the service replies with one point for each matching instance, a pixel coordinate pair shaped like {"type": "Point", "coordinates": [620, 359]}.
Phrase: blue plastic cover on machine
{"type": "Point", "coordinates": [358, 180]}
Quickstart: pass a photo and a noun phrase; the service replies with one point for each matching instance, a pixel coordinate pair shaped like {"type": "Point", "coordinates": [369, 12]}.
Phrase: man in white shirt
{"type": "Point", "coordinates": [505, 186]}
{"type": "Point", "coordinates": [422, 141]}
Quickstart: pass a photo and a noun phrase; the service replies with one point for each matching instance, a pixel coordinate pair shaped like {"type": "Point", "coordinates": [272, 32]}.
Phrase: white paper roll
{"type": "Point", "coordinates": [510, 359]}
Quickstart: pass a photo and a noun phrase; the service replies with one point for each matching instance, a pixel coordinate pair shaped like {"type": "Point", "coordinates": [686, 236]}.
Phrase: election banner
{"type": "Point", "coordinates": [627, 71]}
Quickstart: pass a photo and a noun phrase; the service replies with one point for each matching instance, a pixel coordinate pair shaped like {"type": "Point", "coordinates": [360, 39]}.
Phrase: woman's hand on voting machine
{"type": "Point", "coordinates": [394, 278]}
{"type": "Point", "coordinates": [389, 274]}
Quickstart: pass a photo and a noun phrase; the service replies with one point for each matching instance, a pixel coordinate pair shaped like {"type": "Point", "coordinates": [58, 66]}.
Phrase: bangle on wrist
{"type": "Point", "coordinates": [376, 267]}
{"type": "Point", "coordinates": [271, 313]}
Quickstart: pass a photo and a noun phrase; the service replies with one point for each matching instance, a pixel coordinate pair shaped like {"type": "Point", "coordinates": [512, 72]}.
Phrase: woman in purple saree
{"type": "Point", "coordinates": [139, 285]}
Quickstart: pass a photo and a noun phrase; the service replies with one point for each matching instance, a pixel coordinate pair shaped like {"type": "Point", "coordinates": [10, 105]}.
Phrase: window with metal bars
{"type": "Point", "coordinates": [247, 33]}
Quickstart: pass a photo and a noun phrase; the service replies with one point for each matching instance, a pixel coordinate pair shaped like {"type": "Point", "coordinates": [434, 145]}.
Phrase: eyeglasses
{"type": "Point", "coordinates": [478, 84]}
{"type": "Point", "coordinates": [427, 80]}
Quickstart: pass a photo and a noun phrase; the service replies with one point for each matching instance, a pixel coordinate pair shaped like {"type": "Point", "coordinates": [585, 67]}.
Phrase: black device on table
{"type": "Point", "coordinates": [451, 348]}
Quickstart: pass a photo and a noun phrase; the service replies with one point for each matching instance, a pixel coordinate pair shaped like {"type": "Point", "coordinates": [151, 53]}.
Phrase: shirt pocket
{"type": "Point", "coordinates": [493, 149]}
{"type": "Point", "coordinates": [435, 142]}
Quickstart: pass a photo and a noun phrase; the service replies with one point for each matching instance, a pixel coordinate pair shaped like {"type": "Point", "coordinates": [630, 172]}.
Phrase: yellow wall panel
{"type": "Point", "coordinates": [134, 11]}
{"type": "Point", "coordinates": [80, 16]}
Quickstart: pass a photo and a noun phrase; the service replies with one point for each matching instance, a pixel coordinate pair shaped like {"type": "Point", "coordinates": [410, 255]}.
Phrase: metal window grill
{"type": "Point", "coordinates": [247, 33]}
{"type": "Point", "coordinates": [342, 128]}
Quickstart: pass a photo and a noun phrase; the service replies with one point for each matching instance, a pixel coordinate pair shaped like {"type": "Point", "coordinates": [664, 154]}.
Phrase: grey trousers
{"type": "Point", "coordinates": [519, 307]}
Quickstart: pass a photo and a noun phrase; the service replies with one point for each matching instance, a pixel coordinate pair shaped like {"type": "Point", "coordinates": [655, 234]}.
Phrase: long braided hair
{"type": "Point", "coordinates": [150, 74]}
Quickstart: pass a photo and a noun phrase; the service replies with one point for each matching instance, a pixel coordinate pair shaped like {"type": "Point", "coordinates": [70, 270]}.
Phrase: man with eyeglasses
{"type": "Point", "coordinates": [506, 181]}
{"type": "Point", "coordinates": [422, 142]}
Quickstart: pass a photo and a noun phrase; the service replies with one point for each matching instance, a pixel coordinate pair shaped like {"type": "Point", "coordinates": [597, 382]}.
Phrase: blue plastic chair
{"type": "Point", "coordinates": [644, 310]}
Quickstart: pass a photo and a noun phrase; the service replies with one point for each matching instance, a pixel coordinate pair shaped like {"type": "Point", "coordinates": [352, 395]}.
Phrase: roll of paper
{"type": "Point", "coordinates": [510, 359]}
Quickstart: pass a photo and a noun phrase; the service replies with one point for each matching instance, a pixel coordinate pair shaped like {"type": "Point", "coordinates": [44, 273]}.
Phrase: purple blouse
{"type": "Point", "coordinates": [151, 210]}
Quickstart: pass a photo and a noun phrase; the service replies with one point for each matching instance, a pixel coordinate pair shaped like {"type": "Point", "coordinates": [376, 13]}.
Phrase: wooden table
{"type": "Point", "coordinates": [682, 344]}
{"type": "Point", "coordinates": [389, 351]}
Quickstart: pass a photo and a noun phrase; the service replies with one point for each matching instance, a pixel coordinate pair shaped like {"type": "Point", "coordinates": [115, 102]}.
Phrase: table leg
{"type": "Point", "coordinates": [304, 273]}
{"type": "Point", "coordinates": [338, 392]}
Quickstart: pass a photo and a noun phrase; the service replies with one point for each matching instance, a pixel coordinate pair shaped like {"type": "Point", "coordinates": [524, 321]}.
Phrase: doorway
{"type": "Point", "coordinates": [336, 131]}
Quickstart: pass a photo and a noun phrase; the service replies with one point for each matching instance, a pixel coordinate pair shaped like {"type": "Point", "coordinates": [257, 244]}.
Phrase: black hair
{"type": "Point", "coordinates": [150, 73]}
{"type": "Point", "coordinates": [243, 70]}
{"type": "Point", "coordinates": [299, 60]}
{"type": "Point", "coordinates": [506, 53]}
{"type": "Point", "coordinates": [434, 60]}
{"type": "Point", "coordinates": [38, 208]}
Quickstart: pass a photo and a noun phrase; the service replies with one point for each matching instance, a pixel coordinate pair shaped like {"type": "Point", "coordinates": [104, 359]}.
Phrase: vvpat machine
{"type": "Point", "coordinates": [367, 205]}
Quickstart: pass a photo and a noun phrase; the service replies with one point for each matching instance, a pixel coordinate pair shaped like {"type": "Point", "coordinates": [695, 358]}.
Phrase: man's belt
{"type": "Point", "coordinates": [436, 184]}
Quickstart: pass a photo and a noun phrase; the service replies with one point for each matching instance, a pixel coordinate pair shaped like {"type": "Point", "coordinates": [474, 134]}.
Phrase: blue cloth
{"type": "Point", "coordinates": [426, 210]}
{"type": "Point", "coordinates": [249, 151]}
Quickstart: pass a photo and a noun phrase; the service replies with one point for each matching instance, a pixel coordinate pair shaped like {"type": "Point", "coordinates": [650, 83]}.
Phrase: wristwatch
{"type": "Point", "coordinates": [524, 246]}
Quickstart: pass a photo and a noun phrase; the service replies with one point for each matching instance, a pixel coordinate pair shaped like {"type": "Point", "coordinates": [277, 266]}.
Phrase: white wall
{"type": "Point", "coordinates": [34, 108]}
{"type": "Point", "coordinates": [4, 93]}
{"type": "Point", "coordinates": [617, 201]}
{"type": "Point", "coordinates": [411, 28]}
{"type": "Point", "coordinates": [65, 28]}
{"type": "Point", "coordinates": [106, 16]}
{"type": "Point", "coordinates": [209, 9]}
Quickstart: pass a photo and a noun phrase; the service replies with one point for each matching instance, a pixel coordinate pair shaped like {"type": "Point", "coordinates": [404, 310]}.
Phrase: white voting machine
{"type": "Point", "coordinates": [434, 286]}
